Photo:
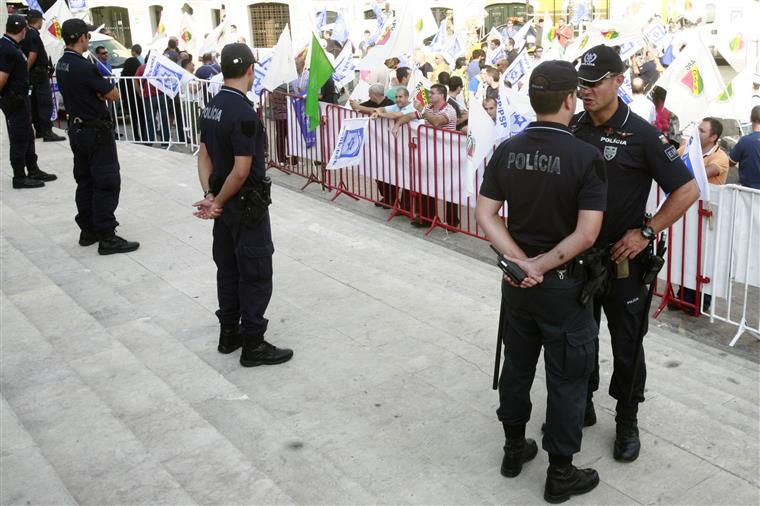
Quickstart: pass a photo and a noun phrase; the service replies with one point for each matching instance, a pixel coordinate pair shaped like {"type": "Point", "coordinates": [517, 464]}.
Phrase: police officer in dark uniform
{"type": "Point", "coordinates": [635, 153]}
{"type": "Point", "coordinates": [555, 188]}
{"type": "Point", "coordinates": [42, 96]}
{"type": "Point", "coordinates": [232, 172]}
{"type": "Point", "coordinates": [14, 102]}
{"type": "Point", "coordinates": [96, 162]}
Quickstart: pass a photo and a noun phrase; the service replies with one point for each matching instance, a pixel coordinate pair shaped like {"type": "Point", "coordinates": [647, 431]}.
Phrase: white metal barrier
{"type": "Point", "coordinates": [732, 258]}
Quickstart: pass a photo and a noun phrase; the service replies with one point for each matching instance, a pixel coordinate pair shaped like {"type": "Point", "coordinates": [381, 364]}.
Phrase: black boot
{"type": "Point", "coordinates": [26, 182]}
{"type": "Point", "coordinates": [115, 244]}
{"type": "Point", "coordinates": [229, 339]}
{"type": "Point", "coordinates": [87, 238]}
{"type": "Point", "coordinates": [516, 453]}
{"type": "Point", "coordinates": [567, 480]}
{"type": "Point", "coordinates": [42, 176]}
{"type": "Point", "coordinates": [263, 353]}
{"type": "Point", "coordinates": [51, 136]}
{"type": "Point", "coordinates": [627, 444]}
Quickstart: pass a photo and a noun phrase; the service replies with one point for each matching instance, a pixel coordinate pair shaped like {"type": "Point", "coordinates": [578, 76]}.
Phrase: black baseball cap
{"type": "Point", "coordinates": [33, 15]}
{"type": "Point", "coordinates": [553, 75]}
{"type": "Point", "coordinates": [599, 62]}
{"type": "Point", "coordinates": [74, 28]}
{"type": "Point", "coordinates": [15, 23]}
{"type": "Point", "coordinates": [237, 55]}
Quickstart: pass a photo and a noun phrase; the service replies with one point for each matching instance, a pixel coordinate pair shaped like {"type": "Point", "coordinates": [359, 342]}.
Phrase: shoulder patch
{"type": "Point", "coordinates": [248, 128]}
{"type": "Point", "coordinates": [671, 153]}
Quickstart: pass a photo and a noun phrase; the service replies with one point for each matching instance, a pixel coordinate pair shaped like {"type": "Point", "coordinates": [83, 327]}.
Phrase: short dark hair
{"type": "Point", "coordinates": [511, 41]}
{"type": "Point", "coordinates": [498, 42]}
{"type": "Point", "coordinates": [460, 62]}
{"type": "Point", "coordinates": [368, 32]}
{"type": "Point", "coordinates": [455, 83]}
{"type": "Point", "coordinates": [493, 72]}
{"type": "Point", "coordinates": [716, 127]}
{"type": "Point", "coordinates": [99, 49]}
{"type": "Point", "coordinates": [207, 57]}
{"type": "Point", "coordinates": [403, 91]}
{"type": "Point", "coordinates": [402, 72]}
{"type": "Point", "coordinates": [548, 102]}
{"type": "Point", "coordinates": [137, 49]}
{"type": "Point", "coordinates": [476, 54]}
{"type": "Point", "coordinates": [440, 89]}
{"type": "Point", "coordinates": [172, 44]}
{"type": "Point", "coordinates": [754, 116]}
{"type": "Point", "coordinates": [443, 78]}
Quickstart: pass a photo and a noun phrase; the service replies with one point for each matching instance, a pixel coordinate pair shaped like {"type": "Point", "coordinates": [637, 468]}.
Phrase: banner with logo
{"type": "Point", "coordinates": [625, 92]}
{"type": "Point", "coordinates": [519, 68]}
{"type": "Point", "coordinates": [349, 147]}
{"type": "Point", "coordinates": [78, 5]}
{"type": "Point", "coordinates": [166, 75]}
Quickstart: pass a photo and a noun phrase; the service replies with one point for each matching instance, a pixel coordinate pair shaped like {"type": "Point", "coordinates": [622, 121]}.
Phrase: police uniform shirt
{"type": "Point", "coordinates": [546, 176]}
{"type": "Point", "coordinates": [79, 82]}
{"type": "Point", "coordinates": [33, 43]}
{"type": "Point", "coordinates": [230, 127]}
{"type": "Point", "coordinates": [635, 152]}
{"type": "Point", "coordinates": [13, 62]}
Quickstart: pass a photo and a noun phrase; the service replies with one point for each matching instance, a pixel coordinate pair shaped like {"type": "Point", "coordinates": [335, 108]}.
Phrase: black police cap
{"type": "Point", "coordinates": [74, 28]}
{"type": "Point", "coordinates": [15, 23]}
{"type": "Point", "coordinates": [599, 62]}
{"type": "Point", "coordinates": [553, 75]}
{"type": "Point", "coordinates": [34, 15]}
{"type": "Point", "coordinates": [237, 55]}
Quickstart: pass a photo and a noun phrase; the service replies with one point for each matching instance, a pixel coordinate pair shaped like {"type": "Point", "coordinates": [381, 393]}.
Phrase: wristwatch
{"type": "Point", "coordinates": [205, 194]}
{"type": "Point", "coordinates": [647, 232]}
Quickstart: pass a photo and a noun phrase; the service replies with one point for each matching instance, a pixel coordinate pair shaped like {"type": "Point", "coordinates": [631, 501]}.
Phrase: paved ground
{"type": "Point", "coordinates": [113, 393]}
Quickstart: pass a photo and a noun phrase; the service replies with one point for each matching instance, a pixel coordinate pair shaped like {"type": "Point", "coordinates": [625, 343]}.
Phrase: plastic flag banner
{"type": "Point", "coordinates": [350, 144]}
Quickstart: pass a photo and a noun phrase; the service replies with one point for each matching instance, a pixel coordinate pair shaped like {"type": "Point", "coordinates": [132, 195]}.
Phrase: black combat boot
{"type": "Point", "coordinates": [51, 136]}
{"type": "Point", "coordinates": [516, 453]}
{"type": "Point", "coordinates": [627, 444]}
{"type": "Point", "coordinates": [26, 182]}
{"type": "Point", "coordinates": [40, 175]}
{"type": "Point", "coordinates": [229, 339]}
{"type": "Point", "coordinates": [259, 352]}
{"type": "Point", "coordinates": [564, 481]}
{"type": "Point", "coordinates": [115, 244]}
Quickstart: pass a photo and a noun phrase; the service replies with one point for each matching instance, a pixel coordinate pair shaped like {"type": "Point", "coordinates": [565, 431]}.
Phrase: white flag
{"type": "Point", "coordinates": [400, 42]}
{"type": "Point", "coordinates": [454, 49]}
{"type": "Point", "coordinates": [522, 35]}
{"type": "Point", "coordinates": [424, 21]}
{"type": "Point", "coordinates": [283, 67]}
{"type": "Point", "coordinates": [733, 44]}
{"type": "Point", "coordinates": [345, 71]}
{"type": "Point", "coordinates": [626, 90]}
{"type": "Point", "coordinates": [694, 81]}
{"type": "Point", "coordinates": [360, 93]}
{"type": "Point", "coordinates": [502, 114]}
{"type": "Point", "coordinates": [736, 100]}
{"type": "Point", "coordinates": [480, 139]}
{"type": "Point", "coordinates": [350, 144]}
{"type": "Point", "coordinates": [520, 111]}
{"type": "Point", "coordinates": [260, 70]}
{"type": "Point", "coordinates": [51, 29]}
{"type": "Point", "coordinates": [519, 68]}
{"type": "Point", "coordinates": [166, 75]}
{"type": "Point", "coordinates": [692, 157]}
{"type": "Point", "coordinates": [656, 33]}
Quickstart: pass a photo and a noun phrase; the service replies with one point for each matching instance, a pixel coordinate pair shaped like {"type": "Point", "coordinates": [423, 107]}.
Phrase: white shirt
{"type": "Point", "coordinates": [644, 107]}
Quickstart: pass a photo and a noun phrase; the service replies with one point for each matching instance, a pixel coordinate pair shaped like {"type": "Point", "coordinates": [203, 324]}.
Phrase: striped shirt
{"type": "Point", "coordinates": [446, 110]}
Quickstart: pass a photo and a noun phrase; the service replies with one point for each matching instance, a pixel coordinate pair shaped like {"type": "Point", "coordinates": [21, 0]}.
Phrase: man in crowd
{"type": "Point", "coordinates": [377, 99]}
{"type": "Point", "coordinates": [14, 101]}
{"type": "Point", "coordinates": [564, 33]}
{"type": "Point", "coordinates": [208, 69]}
{"type": "Point", "coordinates": [456, 89]}
{"type": "Point", "coordinates": [364, 45]}
{"type": "Point", "coordinates": [403, 74]}
{"type": "Point", "coordinates": [172, 51]}
{"type": "Point", "coordinates": [641, 104]}
{"type": "Point", "coordinates": [649, 71]}
{"type": "Point", "coordinates": [130, 93]}
{"type": "Point", "coordinates": [39, 77]}
{"type": "Point", "coordinates": [512, 52]}
{"type": "Point", "coordinates": [101, 59]}
{"type": "Point", "coordinates": [747, 153]}
{"type": "Point", "coordinates": [490, 105]}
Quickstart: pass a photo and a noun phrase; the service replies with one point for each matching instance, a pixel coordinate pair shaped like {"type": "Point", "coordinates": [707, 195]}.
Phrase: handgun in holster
{"type": "Point", "coordinates": [596, 273]}
{"type": "Point", "coordinates": [255, 200]}
{"type": "Point", "coordinates": [655, 261]}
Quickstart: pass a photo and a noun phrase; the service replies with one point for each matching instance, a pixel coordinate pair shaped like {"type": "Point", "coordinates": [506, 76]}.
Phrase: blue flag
{"type": "Point", "coordinates": [321, 19]}
{"type": "Point", "coordinates": [259, 71]}
{"type": "Point", "coordinates": [309, 136]}
{"type": "Point", "coordinates": [340, 30]}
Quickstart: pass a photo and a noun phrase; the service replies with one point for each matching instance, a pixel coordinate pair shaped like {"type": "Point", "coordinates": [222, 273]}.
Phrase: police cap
{"type": "Point", "coordinates": [599, 62]}
{"type": "Point", "coordinates": [236, 56]}
{"type": "Point", "coordinates": [553, 75]}
{"type": "Point", "coordinates": [34, 15]}
{"type": "Point", "coordinates": [15, 23]}
{"type": "Point", "coordinates": [74, 28]}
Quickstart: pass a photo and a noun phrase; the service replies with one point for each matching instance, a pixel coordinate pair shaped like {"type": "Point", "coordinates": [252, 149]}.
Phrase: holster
{"type": "Point", "coordinates": [255, 200]}
{"type": "Point", "coordinates": [103, 129]}
{"type": "Point", "coordinates": [596, 273]}
{"type": "Point", "coordinates": [653, 261]}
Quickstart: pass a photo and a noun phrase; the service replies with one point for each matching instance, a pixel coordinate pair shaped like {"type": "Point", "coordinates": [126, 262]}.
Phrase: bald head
{"type": "Point", "coordinates": [637, 85]}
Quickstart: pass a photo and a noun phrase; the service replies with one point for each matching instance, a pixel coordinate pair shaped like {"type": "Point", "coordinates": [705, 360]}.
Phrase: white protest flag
{"type": "Point", "coordinates": [51, 29]}
{"type": "Point", "coordinates": [260, 70]}
{"type": "Point", "coordinates": [522, 35]}
{"type": "Point", "coordinates": [349, 146]}
{"type": "Point", "coordinates": [656, 33]}
{"type": "Point", "coordinates": [625, 92]}
{"type": "Point", "coordinates": [360, 93]}
{"type": "Point", "coordinates": [692, 157]}
{"type": "Point", "coordinates": [187, 33]}
{"type": "Point", "coordinates": [521, 113]}
{"type": "Point", "coordinates": [454, 49]}
{"type": "Point", "coordinates": [549, 33]}
{"type": "Point", "coordinates": [424, 21]}
{"type": "Point", "coordinates": [213, 40]}
{"type": "Point", "coordinates": [440, 39]}
{"type": "Point", "coordinates": [736, 100]}
{"type": "Point", "coordinates": [733, 44]}
{"type": "Point", "coordinates": [400, 42]}
{"type": "Point", "coordinates": [283, 66]}
{"type": "Point", "coordinates": [301, 19]}
{"type": "Point", "coordinates": [480, 141]}
{"type": "Point", "coordinates": [495, 55]}
{"type": "Point", "coordinates": [503, 112]}
{"type": "Point", "coordinates": [345, 70]}
{"type": "Point", "coordinates": [519, 68]}
{"type": "Point", "coordinates": [618, 31]}
{"type": "Point", "coordinates": [166, 75]}
{"type": "Point", "coordinates": [580, 45]}
{"type": "Point", "coordinates": [694, 82]}
{"type": "Point", "coordinates": [628, 49]}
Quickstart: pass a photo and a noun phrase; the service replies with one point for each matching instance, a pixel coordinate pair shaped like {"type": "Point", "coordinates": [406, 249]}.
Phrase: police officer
{"type": "Point", "coordinates": [14, 102]}
{"type": "Point", "coordinates": [96, 163]}
{"type": "Point", "coordinates": [232, 172]}
{"type": "Point", "coordinates": [555, 188]}
{"type": "Point", "coordinates": [42, 96]}
{"type": "Point", "coordinates": [635, 153]}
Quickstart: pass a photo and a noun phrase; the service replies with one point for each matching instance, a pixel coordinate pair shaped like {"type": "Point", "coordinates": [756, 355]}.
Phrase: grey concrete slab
{"type": "Point", "coordinates": [109, 364]}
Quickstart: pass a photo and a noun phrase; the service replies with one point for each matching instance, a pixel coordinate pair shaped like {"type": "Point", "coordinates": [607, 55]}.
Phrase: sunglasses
{"type": "Point", "coordinates": [582, 83]}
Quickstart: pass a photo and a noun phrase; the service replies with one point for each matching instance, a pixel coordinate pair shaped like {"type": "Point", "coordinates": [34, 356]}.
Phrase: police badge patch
{"type": "Point", "coordinates": [610, 152]}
